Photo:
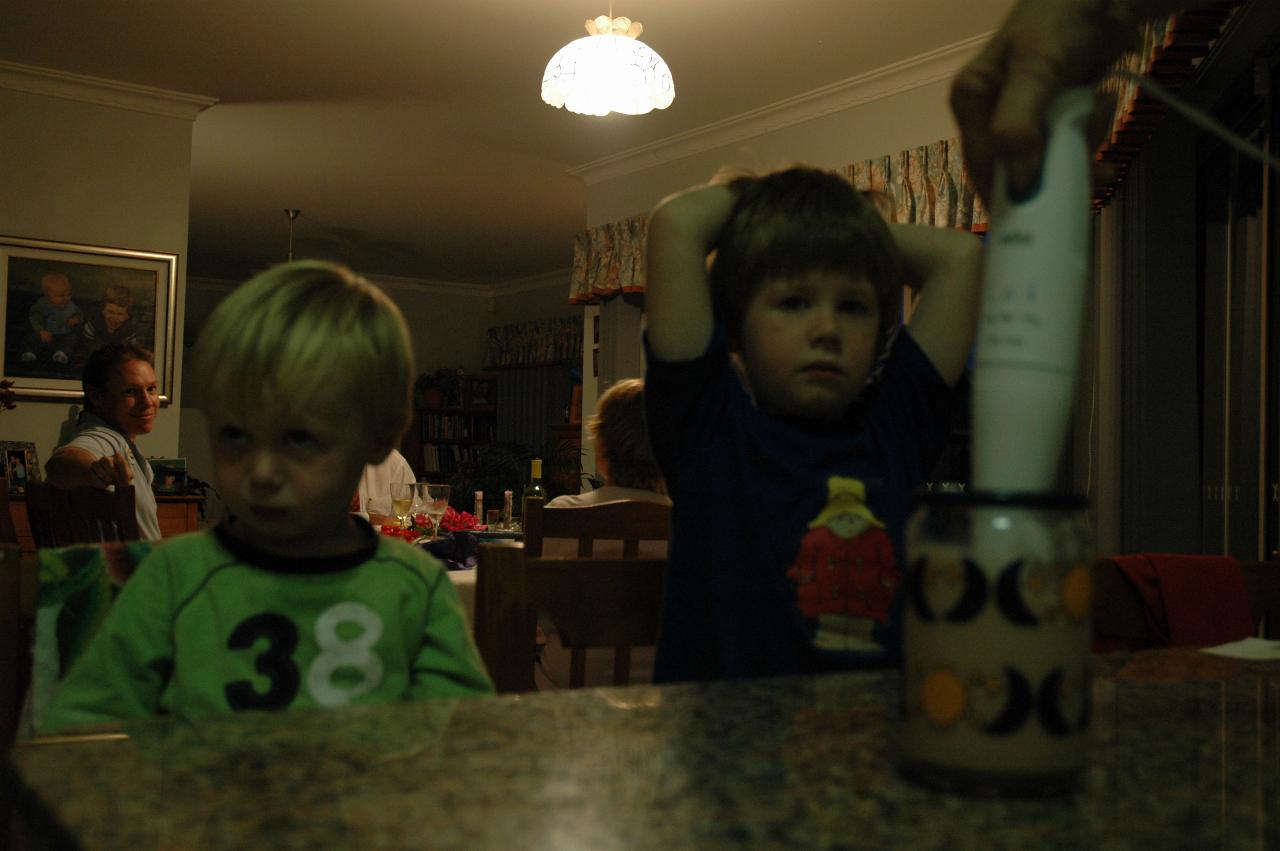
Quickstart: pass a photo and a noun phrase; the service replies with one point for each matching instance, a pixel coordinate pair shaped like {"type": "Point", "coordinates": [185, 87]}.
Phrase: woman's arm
{"type": "Point", "coordinates": [1043, 48]}
{"type": "Point", "coordinates": [946, 265]}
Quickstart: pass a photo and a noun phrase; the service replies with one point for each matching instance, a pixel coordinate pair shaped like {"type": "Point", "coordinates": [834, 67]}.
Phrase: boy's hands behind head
{"type": "Point", "coordinates": [682, 231]}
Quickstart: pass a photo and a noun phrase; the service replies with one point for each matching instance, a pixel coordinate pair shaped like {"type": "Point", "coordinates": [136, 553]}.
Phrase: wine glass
{"type": "Point", "coordinates": [435, 500]}
{"type": "Point", "coordinates": [402, 501]}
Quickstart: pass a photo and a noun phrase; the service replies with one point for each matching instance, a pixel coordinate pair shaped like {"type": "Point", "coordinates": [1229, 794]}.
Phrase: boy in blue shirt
{"type": "Point", "coordinates": [792, 418]}
{"type": "Point", "coordinates": [305, 374]}
{"type": "Point", "coordinates": [54, 320]}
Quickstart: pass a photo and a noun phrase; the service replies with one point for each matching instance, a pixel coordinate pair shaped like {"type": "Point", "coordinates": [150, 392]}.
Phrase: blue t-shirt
{"type": "Point", "coordinates": [787, 534]}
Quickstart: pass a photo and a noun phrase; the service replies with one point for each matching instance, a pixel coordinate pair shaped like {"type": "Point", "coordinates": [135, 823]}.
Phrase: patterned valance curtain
{"type": "Point", "coordinates": [925, 185]}
{"type": "Point", "coordinates": [609, 259]}
{"type": "Point", "coordinates": [1169, 52]}
{"type": "Point", "coordinates": [535, 343]}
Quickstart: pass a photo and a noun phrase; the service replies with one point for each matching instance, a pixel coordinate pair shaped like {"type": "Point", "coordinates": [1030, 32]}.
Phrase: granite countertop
{"type": "Point", "coordinates": [1184, 754]}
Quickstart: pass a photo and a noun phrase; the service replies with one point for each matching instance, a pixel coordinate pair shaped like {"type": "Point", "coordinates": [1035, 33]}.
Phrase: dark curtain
{"type": "Point", "coordinates": [531, 400]}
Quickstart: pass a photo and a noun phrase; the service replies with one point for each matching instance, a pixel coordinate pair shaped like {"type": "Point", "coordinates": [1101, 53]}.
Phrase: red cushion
{"type": "Point", "coordinates": [1189, 599]}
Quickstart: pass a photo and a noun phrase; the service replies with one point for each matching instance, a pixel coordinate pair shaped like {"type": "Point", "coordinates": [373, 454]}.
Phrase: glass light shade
{"type": "Point", "coordinates": [599, 74]}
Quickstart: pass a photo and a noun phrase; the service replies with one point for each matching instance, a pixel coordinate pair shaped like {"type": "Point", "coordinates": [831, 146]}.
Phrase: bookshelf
{"type": "Point", "coordinates": [451, 427]}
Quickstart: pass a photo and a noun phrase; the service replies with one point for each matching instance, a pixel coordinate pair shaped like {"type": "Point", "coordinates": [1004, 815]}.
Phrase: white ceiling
{"type": "Point", "coordinates": [410, 133]}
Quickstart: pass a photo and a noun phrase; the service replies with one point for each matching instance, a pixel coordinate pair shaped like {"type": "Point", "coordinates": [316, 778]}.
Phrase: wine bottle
{"type": "Point", "coordinates": [534, 488]}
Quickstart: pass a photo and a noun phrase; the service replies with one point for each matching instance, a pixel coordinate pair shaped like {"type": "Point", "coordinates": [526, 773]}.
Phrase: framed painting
{"type": "Point", "coordinates": [20, 464]}
{"type": "Point", "coordinates": [170, 476]}
{"type": "Point", "coordinates": [64, 301]}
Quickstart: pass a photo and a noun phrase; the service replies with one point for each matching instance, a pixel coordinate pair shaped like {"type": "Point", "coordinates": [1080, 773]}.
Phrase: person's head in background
{"type": "Point", "coordinates": [807, 281]}
{"type": "Point", "coordinates": [120, 388]}
{"type": "Point", "coordinates": [116, 301]}
{"type": "Point", "coordinates": [305, 374]}
{"type": "Point", "coordinates": [618, 428]}
{"type": "Point", "coordinates": [57, 288]}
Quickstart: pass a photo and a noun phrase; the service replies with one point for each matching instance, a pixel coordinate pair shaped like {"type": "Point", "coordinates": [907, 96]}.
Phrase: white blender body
{"type": "Point", "coordinates": [1028, 339]}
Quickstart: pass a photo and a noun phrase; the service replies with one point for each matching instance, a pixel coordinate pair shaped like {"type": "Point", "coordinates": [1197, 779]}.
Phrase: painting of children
{"type": "Point", "coordinates": [57, 313]}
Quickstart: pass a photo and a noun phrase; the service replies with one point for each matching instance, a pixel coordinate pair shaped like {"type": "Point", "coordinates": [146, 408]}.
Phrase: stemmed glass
{"type": "Point", "coordinates": [435, 501]}
{"type": "Point", "coordinates": [402, 501]}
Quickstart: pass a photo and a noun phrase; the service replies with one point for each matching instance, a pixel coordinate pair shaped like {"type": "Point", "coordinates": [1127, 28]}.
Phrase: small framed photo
{"type": "Point", "coordinates": [171, 476]}
{"type": "Point", "coordinates": [482, 394]}
{"type": "Point", "coordinates": [62, 301]}
{"type": "Point", "coordinates": [20, 465]}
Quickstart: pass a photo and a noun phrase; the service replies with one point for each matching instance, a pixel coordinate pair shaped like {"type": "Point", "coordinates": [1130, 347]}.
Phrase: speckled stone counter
{"type": "Point", "coordinates": [1184, 755]}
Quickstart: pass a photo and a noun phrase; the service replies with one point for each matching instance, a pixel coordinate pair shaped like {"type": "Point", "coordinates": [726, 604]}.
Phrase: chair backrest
{"type": "Point", "coordinates": [60, 517]}
{"type": "Point", "coordinates": [594, 603]}
{"type": "Point", "coordinates": [12, 641]}
{"type": "Point", "coordinates": [1262, 579]}
{"type": "Point", "coordinates": [629, 521]}
{"type": "Point", "coordinates": [1120, 618]}
{"type": "Point", "coordinates": [8, 532]}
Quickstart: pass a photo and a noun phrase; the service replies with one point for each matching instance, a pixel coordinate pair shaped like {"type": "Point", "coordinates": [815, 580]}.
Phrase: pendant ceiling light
{"type": "Point", "coordinates": [608, 71]}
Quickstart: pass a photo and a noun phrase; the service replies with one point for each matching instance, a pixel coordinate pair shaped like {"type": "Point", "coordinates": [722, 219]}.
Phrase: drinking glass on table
{"type": "Point", "coordinates": [435, 501]}
{"type": "Point", "coordinates": [402, 501]}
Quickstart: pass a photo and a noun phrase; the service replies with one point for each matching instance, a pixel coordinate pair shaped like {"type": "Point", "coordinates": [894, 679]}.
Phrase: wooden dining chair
{"type": "Point", "coordinates": [14, 668]}
{"type": "Point", "coordinates": [628, 521]}
{"type": "Point", "coordinates": [594, 603]}
{"type": "Point", "coordinates": [1262, 579]}
{"type": "Point", "coordinates": [60, 517]}
{"type": "Point", "coordinates": [8, 531]}
{"type": "Point", "coordinates": [1120, 619]}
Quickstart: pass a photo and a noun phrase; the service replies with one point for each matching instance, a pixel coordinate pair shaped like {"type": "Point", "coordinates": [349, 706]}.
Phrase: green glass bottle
{"type": "Point", "coordinates": [534, 488]}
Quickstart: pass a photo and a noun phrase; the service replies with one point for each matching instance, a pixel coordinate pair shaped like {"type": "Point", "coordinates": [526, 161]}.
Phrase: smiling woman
{"type": "Point", "coordinates": [121, 402]}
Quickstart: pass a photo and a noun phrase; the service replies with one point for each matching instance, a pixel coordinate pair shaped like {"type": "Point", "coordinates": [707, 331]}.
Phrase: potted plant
{"type": "Point", "coordinates": [492, 468]}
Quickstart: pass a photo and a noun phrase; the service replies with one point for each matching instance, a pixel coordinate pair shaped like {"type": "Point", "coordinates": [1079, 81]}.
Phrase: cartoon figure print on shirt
{"type": "Point", "coordinates": [845, 570]}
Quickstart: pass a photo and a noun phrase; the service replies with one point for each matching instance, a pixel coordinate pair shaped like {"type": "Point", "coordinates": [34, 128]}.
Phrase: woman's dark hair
{"type": "Point", "coordinates": [99, 366]}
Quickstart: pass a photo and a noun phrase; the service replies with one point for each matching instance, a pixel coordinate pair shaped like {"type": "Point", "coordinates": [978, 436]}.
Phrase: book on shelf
{"type": "Point", "coordinates": [445, 457]}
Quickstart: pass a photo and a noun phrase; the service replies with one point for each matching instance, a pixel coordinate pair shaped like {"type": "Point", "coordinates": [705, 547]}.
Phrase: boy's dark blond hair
{"type": "Point", "coordinates": [118, 294]}
{"type": "Point", "coordinates": [618, 427]}
{"type": "Point", "coordinates": [794, 222]}
{"type": "Point", "coordinates": [305, 332]}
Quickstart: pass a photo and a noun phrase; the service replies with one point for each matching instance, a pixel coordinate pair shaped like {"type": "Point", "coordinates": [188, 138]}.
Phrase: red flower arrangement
{"type": "Point", "coordinates": [452, 521]}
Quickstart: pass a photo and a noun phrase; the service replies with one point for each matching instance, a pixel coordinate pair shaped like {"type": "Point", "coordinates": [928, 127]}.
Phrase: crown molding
{"type": "Point", "coordinates": [889, 80]}
{"type": "Point", "coordinates": [556, 278]}
{"type": "Point", "coordinates": [95, 90]}
{"type": "Point", "coordinates": [428, 285]}
{"type": "Point", "coordinates": [559, 277]}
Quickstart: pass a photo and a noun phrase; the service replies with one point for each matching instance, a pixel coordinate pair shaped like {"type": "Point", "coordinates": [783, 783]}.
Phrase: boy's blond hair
{"type": "Point", "coordinates": [118, 294]}
{"type": "Point", "coordinates": [308, 332]}
{"type": "Point", "coordinates": [52, 281]}
{"type": "Point", "coordinates": [618, 427]}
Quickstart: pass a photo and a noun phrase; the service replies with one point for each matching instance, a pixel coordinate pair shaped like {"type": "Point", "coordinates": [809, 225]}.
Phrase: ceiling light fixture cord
{"type": "Point", "coordinates": [292, 214]}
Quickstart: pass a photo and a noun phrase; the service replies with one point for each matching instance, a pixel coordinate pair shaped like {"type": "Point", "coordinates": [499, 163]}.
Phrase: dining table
{"type": "Point", "coordinates": [1183, 752]}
